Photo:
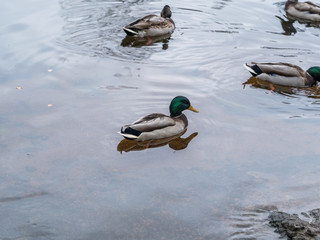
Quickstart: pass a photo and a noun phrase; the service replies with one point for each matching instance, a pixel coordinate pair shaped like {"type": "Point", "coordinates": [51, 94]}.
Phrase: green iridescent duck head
{"type": "Point", "coordinates": [314, 72]}
{"type": "Point", "coordinates": [179, 104]}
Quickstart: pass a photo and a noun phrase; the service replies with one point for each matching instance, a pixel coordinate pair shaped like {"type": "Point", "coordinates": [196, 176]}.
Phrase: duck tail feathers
{"type": "Point", "coordinates": [254, 69]}
{"type": "Point", "coordinates": [129, 32]}
{"type": "Point", "coordinates": [129, 133]}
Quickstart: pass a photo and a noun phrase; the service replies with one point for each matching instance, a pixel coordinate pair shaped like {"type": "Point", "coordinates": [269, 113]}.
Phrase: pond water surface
{"type": "Point", "coordinates": [70, 79]}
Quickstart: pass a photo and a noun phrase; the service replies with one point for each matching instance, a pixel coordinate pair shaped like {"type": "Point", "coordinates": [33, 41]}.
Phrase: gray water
{"type": "Point", "coordinates": [70, 79]}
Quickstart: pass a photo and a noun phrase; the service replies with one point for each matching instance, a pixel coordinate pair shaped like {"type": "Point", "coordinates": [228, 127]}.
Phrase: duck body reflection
{"type": "Point", "coordinates": [129, 41]}
{"type": "Point", "coordinates": [175, 142]}
{"type": "Point", "coordinates": [310, 92]}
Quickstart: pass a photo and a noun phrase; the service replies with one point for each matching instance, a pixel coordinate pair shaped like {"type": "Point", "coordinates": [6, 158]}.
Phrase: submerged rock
{"type": "Point", "coordinates": [293, 227]}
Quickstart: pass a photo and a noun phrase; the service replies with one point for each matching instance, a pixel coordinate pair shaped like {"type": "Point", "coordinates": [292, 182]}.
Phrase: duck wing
{"type": "Point", "coordinates": [147, 22]}
{"type": "Point", "coordinates": [303, 11]}
{"type": "Point", "coordinates": [281, 69]}
{"type": "Point", "coordinates": [152, 122]}
{"type": "Point", "coordinates": [147, 124]}
{"type": "Point", "coordinates": [307, 7]}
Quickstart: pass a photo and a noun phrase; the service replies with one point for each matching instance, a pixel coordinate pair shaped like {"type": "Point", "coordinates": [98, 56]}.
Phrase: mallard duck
{"type": "Point", "coordinates": [157, 125]}
{"type": "Point", "coordinates": [307, 11]}
{"type": "Point", "coordinates": [285, 74]}
{"type": "Point", "coordinates": [152, 25]}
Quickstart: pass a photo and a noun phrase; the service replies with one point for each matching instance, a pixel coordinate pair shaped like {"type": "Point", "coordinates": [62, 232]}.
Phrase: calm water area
{"type": "Point", "coordinates": [69, 79]}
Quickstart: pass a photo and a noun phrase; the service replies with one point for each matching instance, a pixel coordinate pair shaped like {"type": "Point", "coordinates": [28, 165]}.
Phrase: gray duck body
{"type": "Point", "coordinates": [285, 74]}
{"type": "Point", "coordinates": [157, 125]}
{"type": "Point", "coordinates": [152, 25]}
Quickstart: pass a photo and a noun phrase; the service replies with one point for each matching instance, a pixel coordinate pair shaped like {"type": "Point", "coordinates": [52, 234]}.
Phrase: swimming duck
{"type": "Point", "coordinates": [157, 125]}
{"type": "Point", "coordinates": [152, 25]}
{"type": "Point", "coordinates": [285, 74]}
{"type": "Point", "coordinates": [307, 11]}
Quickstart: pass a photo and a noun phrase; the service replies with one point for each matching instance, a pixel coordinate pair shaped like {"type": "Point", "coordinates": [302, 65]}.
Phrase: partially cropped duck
{"type": "Point", "coordinates": [285, 74]}
{"type": "Point", "coordinates": [152, 25]}
{"type": "Point", "coordinates": [157, 125]}
{"type": "Point", "coordinates": [306, 11]}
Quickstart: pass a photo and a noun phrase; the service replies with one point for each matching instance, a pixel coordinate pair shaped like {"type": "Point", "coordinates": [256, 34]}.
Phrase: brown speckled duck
{"type": "Point", "coordinates": [305, 11]}
{"type": "Point", "coordinates": [152, 25]}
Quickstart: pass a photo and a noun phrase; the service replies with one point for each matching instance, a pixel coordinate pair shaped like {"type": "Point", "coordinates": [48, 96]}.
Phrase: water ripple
{"type": "Point", "coordinates": [95, 29]}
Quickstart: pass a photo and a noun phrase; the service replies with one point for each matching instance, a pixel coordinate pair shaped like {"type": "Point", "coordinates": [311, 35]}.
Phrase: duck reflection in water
{"type": "Point", "coordinates": [287, 26]}
{"type": "Point", "coordinates": [175, 142]}
{"type": "Point", "coordinates": [311, 92]}
{"type": "Point", "coordinates": [130, 41]}
{"type": "Point", "coordinates": [258, 83]}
